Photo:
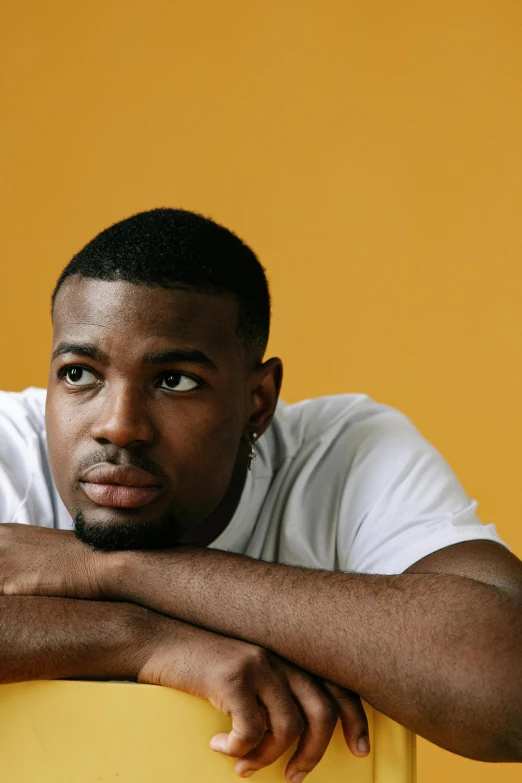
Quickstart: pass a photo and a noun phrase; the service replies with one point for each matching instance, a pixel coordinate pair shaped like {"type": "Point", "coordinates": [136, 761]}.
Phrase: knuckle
{"type": "Point", "coordinates": [293, 727]}
{"type": "Point", "coordinates": [257, 657]}
{"type": "Point", "coordinates": [239, 673]}
{"type": "Point", "coordinates": [323, 712]}
{"type": "Point", "coordinates": [346, 696]}
{"type": "Point", "coordinates": [228, 677]}
{"type": "Point", "coordinates": [251, 736]}
{"type": "Point", "coordinates": [232, 681]}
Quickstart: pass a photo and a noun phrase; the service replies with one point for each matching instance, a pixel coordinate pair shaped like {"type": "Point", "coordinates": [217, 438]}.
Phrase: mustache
{"type": "Point", "coordinates": [119, 457]}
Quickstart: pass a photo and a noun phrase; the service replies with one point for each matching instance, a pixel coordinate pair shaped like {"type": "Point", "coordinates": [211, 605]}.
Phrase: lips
{"type": "Point", "coordinates": [119, 486]}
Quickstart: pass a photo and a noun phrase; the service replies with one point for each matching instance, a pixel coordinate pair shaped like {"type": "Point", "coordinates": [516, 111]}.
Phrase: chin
{"type": "Point", "coordinates": [121, 534]}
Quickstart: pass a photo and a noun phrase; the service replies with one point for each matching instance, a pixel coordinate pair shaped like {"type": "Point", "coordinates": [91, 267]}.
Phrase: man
{"type": "Point", "coordinates": [278, 560]}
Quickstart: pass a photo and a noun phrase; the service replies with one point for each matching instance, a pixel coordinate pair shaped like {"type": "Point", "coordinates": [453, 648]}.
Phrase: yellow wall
{"type": "Point", "coordinates": [369, 151]}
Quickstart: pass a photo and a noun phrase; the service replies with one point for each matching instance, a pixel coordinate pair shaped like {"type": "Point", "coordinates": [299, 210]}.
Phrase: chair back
{"type": "Point", "coordinates": [64, 731]}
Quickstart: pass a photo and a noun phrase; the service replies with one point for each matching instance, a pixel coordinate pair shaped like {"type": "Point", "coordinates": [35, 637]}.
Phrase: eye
{"type": "Point", "coordinates": [177, 381]}
{"type": "Point", "coordinates": [78, 376]}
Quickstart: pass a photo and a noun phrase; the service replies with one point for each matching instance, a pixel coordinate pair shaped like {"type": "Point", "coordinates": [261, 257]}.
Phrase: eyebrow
{"type": "Point", "coordinates": [91, 351]}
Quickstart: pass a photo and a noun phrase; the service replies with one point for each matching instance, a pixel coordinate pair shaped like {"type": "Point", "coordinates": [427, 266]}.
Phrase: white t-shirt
{"type": "Point", "coordinates": [340, 482]}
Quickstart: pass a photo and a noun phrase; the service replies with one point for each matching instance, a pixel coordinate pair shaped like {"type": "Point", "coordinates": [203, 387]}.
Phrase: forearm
{"type": "Point", "coordinates": [53, 638]}
{"type": "Point", "coordinates": [438, 653]}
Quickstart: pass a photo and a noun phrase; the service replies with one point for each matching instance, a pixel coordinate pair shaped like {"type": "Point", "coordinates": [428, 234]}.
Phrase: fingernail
{"type": "Point", "coordinates": [299, 777]}
{"type": "Point", "coordinates": [247, 773]}
{"type": "Point", "coordinates": [363, 744]}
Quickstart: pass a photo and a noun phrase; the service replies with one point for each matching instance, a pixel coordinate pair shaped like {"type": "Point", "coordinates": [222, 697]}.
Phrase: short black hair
{"type": "Point", "coordinates": [166, 247]}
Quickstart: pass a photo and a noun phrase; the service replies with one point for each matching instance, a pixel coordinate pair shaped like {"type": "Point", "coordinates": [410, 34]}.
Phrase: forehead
{"type": "Point", "coordinates": [136, 313]}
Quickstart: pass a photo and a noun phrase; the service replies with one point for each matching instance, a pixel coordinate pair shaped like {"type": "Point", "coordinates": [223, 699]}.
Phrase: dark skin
{"type": "Point", "coordinates": [459, 610]}
{"type": "Point", "coordinates": [187, 420]}
{"type": "Point", "coordinates": [196, 433]}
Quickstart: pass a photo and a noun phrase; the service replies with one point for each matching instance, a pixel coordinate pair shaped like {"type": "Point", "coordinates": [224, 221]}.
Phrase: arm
{"type": "Point", "coordinates": [53, 638]}
{"type": "Point", "coordinates": [437, 652]}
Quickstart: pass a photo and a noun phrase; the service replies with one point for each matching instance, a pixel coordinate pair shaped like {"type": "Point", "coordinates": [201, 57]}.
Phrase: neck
{"type": "Point", "coordinates": [213, 525]}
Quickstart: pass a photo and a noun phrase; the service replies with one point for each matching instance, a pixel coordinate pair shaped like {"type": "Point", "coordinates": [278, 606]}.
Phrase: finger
{"type": "Point", "coordinates": [320, 713]}
{"type": "Point", "coordinates": [284, 725]}
{"type": "Point", "coordinates": [353, 718]}
{"type": "Point", "coordinates": [248, 725]}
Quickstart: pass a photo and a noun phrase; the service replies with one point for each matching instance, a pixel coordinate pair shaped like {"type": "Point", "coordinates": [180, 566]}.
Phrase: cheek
{"type": "Point", "coordinates": [205, 460]}
{"type": "Point", "coordinates": [198, 453]}
{"type": "Point", "coordinates": [62, 439]}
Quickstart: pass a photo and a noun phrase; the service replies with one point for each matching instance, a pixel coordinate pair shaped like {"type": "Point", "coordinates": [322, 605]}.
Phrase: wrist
{"type": "Point", "coordinates": [113, 573]}
{"type": "Point", "coordinates": [138, 638]}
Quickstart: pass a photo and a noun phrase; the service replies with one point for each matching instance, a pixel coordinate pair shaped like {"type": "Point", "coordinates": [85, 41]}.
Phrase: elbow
{"type": "Point", "coordinates": [515, 743]}
{"type": "Point", "coordinates": [498, 748]}
{"type": "Point", "coordinates": [509, 743]}
{"type": "Point", "coordinates": [498, 732]}
{"type": "Point", "coordinates": [508, 750]}
{"type": "Point", "coordinates": [506, 696]}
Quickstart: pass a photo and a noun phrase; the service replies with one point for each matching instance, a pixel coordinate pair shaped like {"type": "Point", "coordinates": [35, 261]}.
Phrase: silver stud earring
{"type": "Point", "coordinates": [252, 454]}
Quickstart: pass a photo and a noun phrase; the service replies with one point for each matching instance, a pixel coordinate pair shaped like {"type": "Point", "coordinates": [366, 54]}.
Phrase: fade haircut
{"type": "Point", "coordinates": [176, 248]}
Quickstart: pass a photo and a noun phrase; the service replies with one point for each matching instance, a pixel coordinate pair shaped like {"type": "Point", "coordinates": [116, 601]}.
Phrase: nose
{"type": "Point", "coordinates": [123, 418]}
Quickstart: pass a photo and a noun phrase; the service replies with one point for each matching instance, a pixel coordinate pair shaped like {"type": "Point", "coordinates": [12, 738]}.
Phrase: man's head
{"type": "Point", "coordinates": [157, 381]}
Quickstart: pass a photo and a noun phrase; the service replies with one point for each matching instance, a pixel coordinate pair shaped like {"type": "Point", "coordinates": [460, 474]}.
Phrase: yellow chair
{"type": "Point", "coordinates": [117, 732]}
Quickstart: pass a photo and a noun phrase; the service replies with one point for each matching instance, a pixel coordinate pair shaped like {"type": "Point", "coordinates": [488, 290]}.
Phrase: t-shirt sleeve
{"type": "Point", "coordinates": [406, 498]}
{"type": "Point", "coordinates": [24, 491]}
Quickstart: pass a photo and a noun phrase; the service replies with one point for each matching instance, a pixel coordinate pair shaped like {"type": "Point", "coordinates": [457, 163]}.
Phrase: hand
{"type": "Point", "coordinates": [271, 702]}
{"type": "Point", "coordinates": [44, 561]}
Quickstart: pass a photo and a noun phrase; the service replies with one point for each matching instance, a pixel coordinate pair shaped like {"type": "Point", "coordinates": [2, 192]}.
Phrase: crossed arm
{"type": "Point", "coordinates": [436, 648]}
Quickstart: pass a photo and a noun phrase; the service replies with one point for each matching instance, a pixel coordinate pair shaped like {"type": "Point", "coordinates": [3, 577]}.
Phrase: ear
{"type": "Point", "coordinates": [263, 387]}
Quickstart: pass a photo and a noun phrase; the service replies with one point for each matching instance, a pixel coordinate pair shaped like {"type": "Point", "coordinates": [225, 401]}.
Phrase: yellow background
{"type": "Point", "coordinates": [371, 154]}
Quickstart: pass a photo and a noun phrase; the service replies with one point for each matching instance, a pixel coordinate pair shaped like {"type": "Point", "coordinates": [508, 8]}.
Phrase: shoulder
{"type": "Point", "coordinates": [24, 409]}
{"type": "Point", "coordinates": [355, 420]}
{"type": "Point", "coordinates": [24, 483]}
{"type": "Point", "coordinates": [368, 448]}
{"type": "Point", "coordinates": [22, 414]}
